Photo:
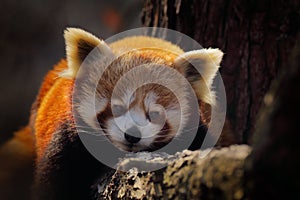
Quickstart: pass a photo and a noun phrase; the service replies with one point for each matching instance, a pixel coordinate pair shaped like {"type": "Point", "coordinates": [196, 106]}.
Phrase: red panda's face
{"type": "Point", "coordinates": [148, 121]}
{"type": "Point", "coordinates": [141, 100]}
{"type": "Point", "coordinates": [139, 117]}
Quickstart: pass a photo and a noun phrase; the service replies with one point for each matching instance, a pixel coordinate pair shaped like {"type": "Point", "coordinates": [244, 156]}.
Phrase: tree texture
{"type": "Point", "coordinates": [257, 37]}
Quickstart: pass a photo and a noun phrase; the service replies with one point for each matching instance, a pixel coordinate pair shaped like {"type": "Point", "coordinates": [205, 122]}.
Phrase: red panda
{"type": "Point", "coordinates": [64, 169]}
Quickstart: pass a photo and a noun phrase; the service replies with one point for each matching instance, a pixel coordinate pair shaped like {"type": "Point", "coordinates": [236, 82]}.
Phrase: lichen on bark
{"type": "Point", "coordinates": [193, 175]}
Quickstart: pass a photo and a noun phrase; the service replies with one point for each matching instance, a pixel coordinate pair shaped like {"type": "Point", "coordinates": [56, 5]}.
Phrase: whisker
{"type": "Point", "coordinates": [79, 117]}
{"type": "Point", "coordinates": [97, 133]}
{"type": "Point", "coordinates": [93, 131]}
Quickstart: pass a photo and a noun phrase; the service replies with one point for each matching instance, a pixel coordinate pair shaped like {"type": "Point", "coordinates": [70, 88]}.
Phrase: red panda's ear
{"type": "Point", "coordinates": [79, 44]}
{"type": "Point", "coordinates": [200, 67]}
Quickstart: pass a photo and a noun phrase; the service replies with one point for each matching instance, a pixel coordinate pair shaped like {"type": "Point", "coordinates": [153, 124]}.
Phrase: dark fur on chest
{"type": "Point", "coordinates": [67, 169]}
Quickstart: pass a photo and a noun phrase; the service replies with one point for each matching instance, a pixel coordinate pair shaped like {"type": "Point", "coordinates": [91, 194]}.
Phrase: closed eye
{"type": "Point", "coordinates": [153, 115]}
{"type": "Point", "coordinates": [118, 110]}
{"type": "Point", "coordinates": [156, 117]}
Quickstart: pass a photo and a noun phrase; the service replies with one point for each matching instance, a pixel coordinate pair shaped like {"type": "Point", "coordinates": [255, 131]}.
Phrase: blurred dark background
{"type": "Point", "coordinates": [32, 42]}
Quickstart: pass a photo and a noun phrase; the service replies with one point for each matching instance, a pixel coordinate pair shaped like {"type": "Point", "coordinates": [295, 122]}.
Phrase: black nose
{"type": "Point", "coordinates": [133, 135]}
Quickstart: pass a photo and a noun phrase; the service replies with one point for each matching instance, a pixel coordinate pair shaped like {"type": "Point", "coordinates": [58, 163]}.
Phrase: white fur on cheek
{"type": "Point", "coordinates": [174, 119]}
{"type": "Point", "coordinates": [150, 99]}
{"type": "Point", "coordinates": [149, 133]}
{"type": "Point", "coordinates": [114, 131]}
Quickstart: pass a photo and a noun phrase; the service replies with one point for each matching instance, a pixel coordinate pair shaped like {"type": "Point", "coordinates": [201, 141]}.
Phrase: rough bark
{"type": "Point", "coordinates": [256, 36]}
{"type": "Point", "coordinates": [273, 168]}
{"type": "Point", "coordinates": [189, 177]}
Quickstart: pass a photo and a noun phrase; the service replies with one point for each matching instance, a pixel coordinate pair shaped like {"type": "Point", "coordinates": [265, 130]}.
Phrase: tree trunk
{"type": "Point", "coordinates": [256, 36]}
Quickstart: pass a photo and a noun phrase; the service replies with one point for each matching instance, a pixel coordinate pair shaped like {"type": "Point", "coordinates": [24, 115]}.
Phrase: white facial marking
{"type": "Point", "coordinates": [136, 117]}
{"type": "Point", "coordinates": [150, 99]}
{"type": "Point", "coordinates": [114, 131]}
{"type": "Point", "coordinates": [87, 110]}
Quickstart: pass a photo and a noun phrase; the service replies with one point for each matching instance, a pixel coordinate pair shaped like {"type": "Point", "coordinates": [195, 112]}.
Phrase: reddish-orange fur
{"type": "Point", "coordinates": [53, 107]}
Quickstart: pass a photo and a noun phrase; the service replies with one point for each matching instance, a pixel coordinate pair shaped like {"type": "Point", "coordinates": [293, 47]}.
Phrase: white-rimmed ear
{"type": "Point", "coordinates": [79, 44]}
{"type": "Point", "coordinates": [200, 67]}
